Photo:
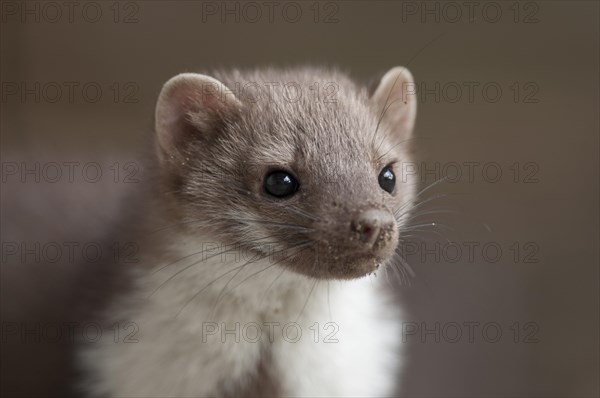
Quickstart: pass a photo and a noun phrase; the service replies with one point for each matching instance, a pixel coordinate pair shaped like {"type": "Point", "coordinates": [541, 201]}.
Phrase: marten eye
{"type": "Point", "coordinates": [280, 184]}
{"type": "Point", "coordinates": [387, 179]}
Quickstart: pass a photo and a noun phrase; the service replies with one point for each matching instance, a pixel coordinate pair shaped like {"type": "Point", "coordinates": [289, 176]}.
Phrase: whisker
{"type": "Point", "coordinates": [407, 64]}
{"type": "Point", "coordinates": [387, 274]}
{"type": "Point", "coordinates": [225, 287]}
{"type": "Point", "coordinates": [409, 227]}
{"type": "Point", "coordinates": [278, 224]}
{"type": "Point", "coordinates": [222, 293]}
{"type": "Point", "coordinates": [285, 206]}
{"type": "Point", "coordinates": [301, 212]}
{"type": "Point", "coordinates": [385, 108]}
{"type": "Point", "coordinates": [275, 263]}
{"type": "Point", "coordinates": [328, 302]}
{"type": "Point", "coordinates": [405, 270]}
{"type": "Point", "coordinates": [433, 184]}
{"type": "Point", "coordinates": [441, 211]}
{"type": "Point", "coordinates": [239, 242]}
{"type": "Point", "coordinates": [394, 146]}
{"type": "Point", "coordinates": [418, 204]}
{"type": "Point", "coordinates": [204, 288]}
{"type": "Point", "coordinates": [271, 285]}
{"type": "Point", "coordinates": [433, 232]}
{"type": "Point", "coordinates": [406, 266]}
{"type": "Point", "coordinates": [243, 190]}
{"type": "Point", "coordinates": [388, 106]}
{"type": "Point", "coordinates": [410, 236]}
{"type": "Point", "coordinates": [307, 298]}
{"type": "Point", "coordinates": [176, 225]}
{"type": "Point", "coordinates": [398, 273]}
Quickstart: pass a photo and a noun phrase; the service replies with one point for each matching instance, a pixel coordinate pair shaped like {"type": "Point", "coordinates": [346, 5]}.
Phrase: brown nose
{"type": "Point", "coordinates": [371, 225]}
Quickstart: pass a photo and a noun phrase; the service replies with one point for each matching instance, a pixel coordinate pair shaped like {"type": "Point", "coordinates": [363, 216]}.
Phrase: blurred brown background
{"type": "Point", "coordinates": [544, 57]}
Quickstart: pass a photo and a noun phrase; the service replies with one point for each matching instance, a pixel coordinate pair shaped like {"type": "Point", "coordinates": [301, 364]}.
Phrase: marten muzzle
{"type": "Point", "coordinates": [353, 246]}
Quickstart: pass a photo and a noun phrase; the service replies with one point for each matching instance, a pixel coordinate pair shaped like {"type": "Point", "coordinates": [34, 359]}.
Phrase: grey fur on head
{"type": "Point", "coordinates": [219, 136]}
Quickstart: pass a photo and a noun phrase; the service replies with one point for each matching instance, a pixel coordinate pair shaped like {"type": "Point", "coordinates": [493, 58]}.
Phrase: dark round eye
{"type": "Point", "coordinates": [387, 179]}
{"type": "Point", "coordinates": [280, 184]}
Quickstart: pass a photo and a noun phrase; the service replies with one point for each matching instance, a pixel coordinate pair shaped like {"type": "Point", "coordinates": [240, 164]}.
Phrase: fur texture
{"type": "Point", "coordinates": [229, 262]}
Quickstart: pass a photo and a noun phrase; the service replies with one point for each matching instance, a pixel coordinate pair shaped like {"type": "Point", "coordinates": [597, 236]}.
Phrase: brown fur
{"type": "Point", "coordinates": [335, 146]}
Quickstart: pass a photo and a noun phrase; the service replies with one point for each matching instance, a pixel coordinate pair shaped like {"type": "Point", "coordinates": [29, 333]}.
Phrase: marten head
{"type": "Point", "coordinates": [299, 165]}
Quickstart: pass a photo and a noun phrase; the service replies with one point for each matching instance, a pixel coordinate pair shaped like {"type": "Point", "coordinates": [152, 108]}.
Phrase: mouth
{"type": "Point", "coordinates": [342, 267]}
{"type": "Point", "coordinates": [353, 267]}
{"type": "Point", "coordinates": [324, 259]}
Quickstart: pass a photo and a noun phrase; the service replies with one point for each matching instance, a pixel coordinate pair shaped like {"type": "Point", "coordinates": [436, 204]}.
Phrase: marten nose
{"type": "Point", "coordinates": [372, 225]}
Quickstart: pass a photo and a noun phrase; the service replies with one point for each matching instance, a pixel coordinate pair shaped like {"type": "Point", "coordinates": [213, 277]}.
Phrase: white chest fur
{"type": "Point", "coordinates": [199, 334]}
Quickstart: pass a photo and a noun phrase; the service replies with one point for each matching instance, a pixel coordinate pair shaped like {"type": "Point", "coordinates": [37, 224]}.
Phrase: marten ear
{"type": "Point", "coordinates": [190, 107]}
{"type": "Point", "coordinates": [395, 100]}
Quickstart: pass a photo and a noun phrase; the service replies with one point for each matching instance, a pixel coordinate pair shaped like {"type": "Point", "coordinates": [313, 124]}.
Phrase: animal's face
{"type": "Point", "coordinates": [312, 184]}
